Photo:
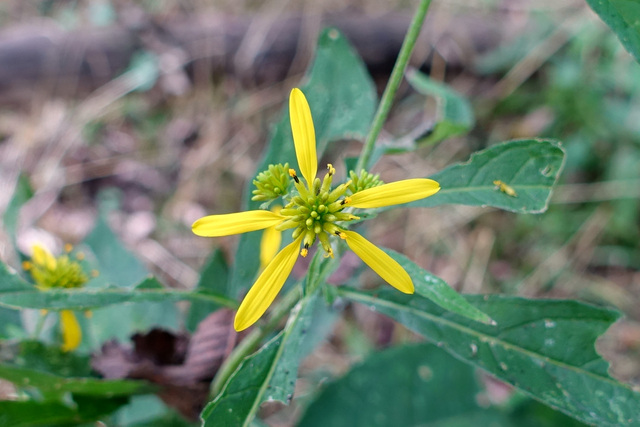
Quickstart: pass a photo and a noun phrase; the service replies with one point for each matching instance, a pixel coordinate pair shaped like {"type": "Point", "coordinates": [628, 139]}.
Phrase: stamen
{"type": "Point", "coordinates": [292, 174]}
{"type": "Point", "coordinates": [345, 200]}
{"type": "Point", "coordinates": [26, 265]}
{"type": "Point", "coordinates": [68, 247]}
{"type": "Point", "coordinates": [304, 252]}
{"type": "Point", "coordinates": [331, 169]}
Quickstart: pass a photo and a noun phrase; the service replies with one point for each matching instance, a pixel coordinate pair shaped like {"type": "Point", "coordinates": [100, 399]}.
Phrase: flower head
{"type": "Point", "coordinates": [50, 272]}
{"type": "Point", "coordinates": [315, 211]}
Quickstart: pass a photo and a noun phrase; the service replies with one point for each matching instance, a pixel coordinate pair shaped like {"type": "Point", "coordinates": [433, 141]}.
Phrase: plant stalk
{"type": "Point", "coordinates": [392, 87]}
{"type": "Point", "coordinates": [253, 339]}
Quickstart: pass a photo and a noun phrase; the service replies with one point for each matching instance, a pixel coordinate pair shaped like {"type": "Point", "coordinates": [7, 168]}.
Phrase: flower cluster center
{"type": "Point", "coordinates": [314, 211]}
{"type": "Point", "coordinates": [50, 272]}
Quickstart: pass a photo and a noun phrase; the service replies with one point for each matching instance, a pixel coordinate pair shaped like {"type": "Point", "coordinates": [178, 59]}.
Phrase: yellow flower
{"type": "Point", "coordinates": [270, 243]}
{"type": "Point", "coordinates": [70, 329]}
{"type": "Point", "coordinates": [316, 211]}
{"type": "Point", "coordinates": [62, 272]}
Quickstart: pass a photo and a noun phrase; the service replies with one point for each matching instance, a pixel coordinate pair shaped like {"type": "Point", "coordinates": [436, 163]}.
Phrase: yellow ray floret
{"type": "Point", "coordinates": [70, 329]}
{"type": "Point", "coordinates": [270, 242]}
{"type": "Point", "coordinates": [304, 136]}
{"type": "Point", "coordinates": [394, 193]}
{"type": "Point", "coordinates": [269, 246]}
{"type": "Point", "coordinates": [235, 223]}
{"type": "Point", "coordinates": [264, 291]}
{"type": "Point", "coordinates": [379, 261]}
{"type": "Point", "coordinates": [43, 258]}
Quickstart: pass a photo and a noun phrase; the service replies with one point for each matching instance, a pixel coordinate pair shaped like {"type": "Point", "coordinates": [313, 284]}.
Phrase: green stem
{"type": "Point", "coordinates": [392, 87]}
{"type": "Point", "coordinates": [251, 341]}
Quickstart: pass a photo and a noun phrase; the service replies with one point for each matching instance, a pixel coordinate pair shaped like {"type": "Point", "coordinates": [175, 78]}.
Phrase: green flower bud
{"type": "Point", "coordinates": [363, 181]}
{"type": "Point", "coordinates": [272, 183]}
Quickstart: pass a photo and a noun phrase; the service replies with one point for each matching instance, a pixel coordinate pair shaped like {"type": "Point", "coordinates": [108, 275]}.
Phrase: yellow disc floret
{"type": "Point", "coordinates": [51, 272]}
{"type": "Point", "coordinates": [314, 211]}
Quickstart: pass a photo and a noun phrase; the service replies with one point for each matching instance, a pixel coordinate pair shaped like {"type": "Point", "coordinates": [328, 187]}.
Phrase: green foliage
{"type": "Point", "coordinates": [434, 288]}
{"type": "Point", "coordinates": [403, 386]}
{"type": "Point", "coordinates": [529, 166]}
{"type": "Point", "coordinates": [213, 279]}
{"type": "Point", "coordinates": [623, 17]}
{"type": "Point", "coordinates": [22, 193]}
{"type": "Point", "coordinates": [51, 413]}
{"type": "Point", "coordinates": [269, 374]}
{"type": "Point", "coordinates": [237, 402]}
{"type": "Point", "coordinates": [62, 400]}
{"type": "Point", "coordinates": [54, 385]}
{"type": "Point", "coordinates": [45, 358]}
{"type": "Point", "coordinates": [117, 266]}
{"type": "Point", "coordinates": [543, 347]}
{"type": "Point", "coordinates": [455, 116]}
{"type": "Point", "coordinates": [10, 282]}
{"type": "Point", "coordinates": [150, 290]}
{"type": "Point", "coordinates": [417, 384]}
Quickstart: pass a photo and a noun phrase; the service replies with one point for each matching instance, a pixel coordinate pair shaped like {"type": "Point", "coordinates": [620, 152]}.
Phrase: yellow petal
{"type": "Point", "coordinates": [264, 291]}
{"type": "Point", "coordinates": [304, 135]}
{"type": "Point", "coordinates": [71, 333]}
{"type": "Point", "coordinates": [269, 246]}
{"type": "Point", "coordinates": [235, 223]}
{"type": "Point", "coordinates": [395, 193]}
{"type": "Point", "coordinates": [43, 258]}
{"type": "Point", "coordinates": [380, 262]}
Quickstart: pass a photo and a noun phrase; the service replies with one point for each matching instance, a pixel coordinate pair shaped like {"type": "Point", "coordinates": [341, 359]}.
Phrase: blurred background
{"type": "Point", "coordinates": [165, 108]}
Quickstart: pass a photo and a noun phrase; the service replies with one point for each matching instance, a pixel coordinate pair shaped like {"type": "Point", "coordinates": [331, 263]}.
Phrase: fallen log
{"type": "Point", "coordinates": [37, 59]}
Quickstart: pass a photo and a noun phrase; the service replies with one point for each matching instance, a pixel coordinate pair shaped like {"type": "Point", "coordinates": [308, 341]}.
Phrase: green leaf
{"type": "Point", "coordinates": [213, 278]}
{"type": "Point", "coordinates": [455, 115]}
{"type": "Point", "coordinates": [23, 192]}
{"type": "Point", "coordinates": [45, 358]}
{"type": "Point", "coordinates": [141, 410]}
{"type": "Point", "coordinates": [543, 347]}
{"type": "Point", "coordinates": [342, 98]}
{"type": "Point", "coordinates": [409, 385]}
{"type": "Point", "coordinates": [419, 385]}
{"type": "Point", "coordinates": [437, 290]}
{"type": "Point", "coordinates": [51, 413]}
{"type": "Point", "coordinates": [117, 266]}
{"type": "Point", "coordinates": [529, 166]}
{"type": "Point", "coordinates": [10, 282]}
{"type": "Point", "coordinates": [90, 298]}
{"type": "Point", "coordinates": [623, 17]}
{"type": "Point", "coordinates": [269, 374]}
{"type": "Point", "coordinates": [56, 385]}
{"type": "Point", "coordinates": [295, 342]}
{"type": "Point", "coordinates": [239, 399]}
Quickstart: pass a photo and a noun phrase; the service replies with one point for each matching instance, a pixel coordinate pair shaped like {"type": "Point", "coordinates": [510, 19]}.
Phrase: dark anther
{"type": "Point", "coordinates": [306, 246]}
{"type": "Point", "coordinates": [296, 179]}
